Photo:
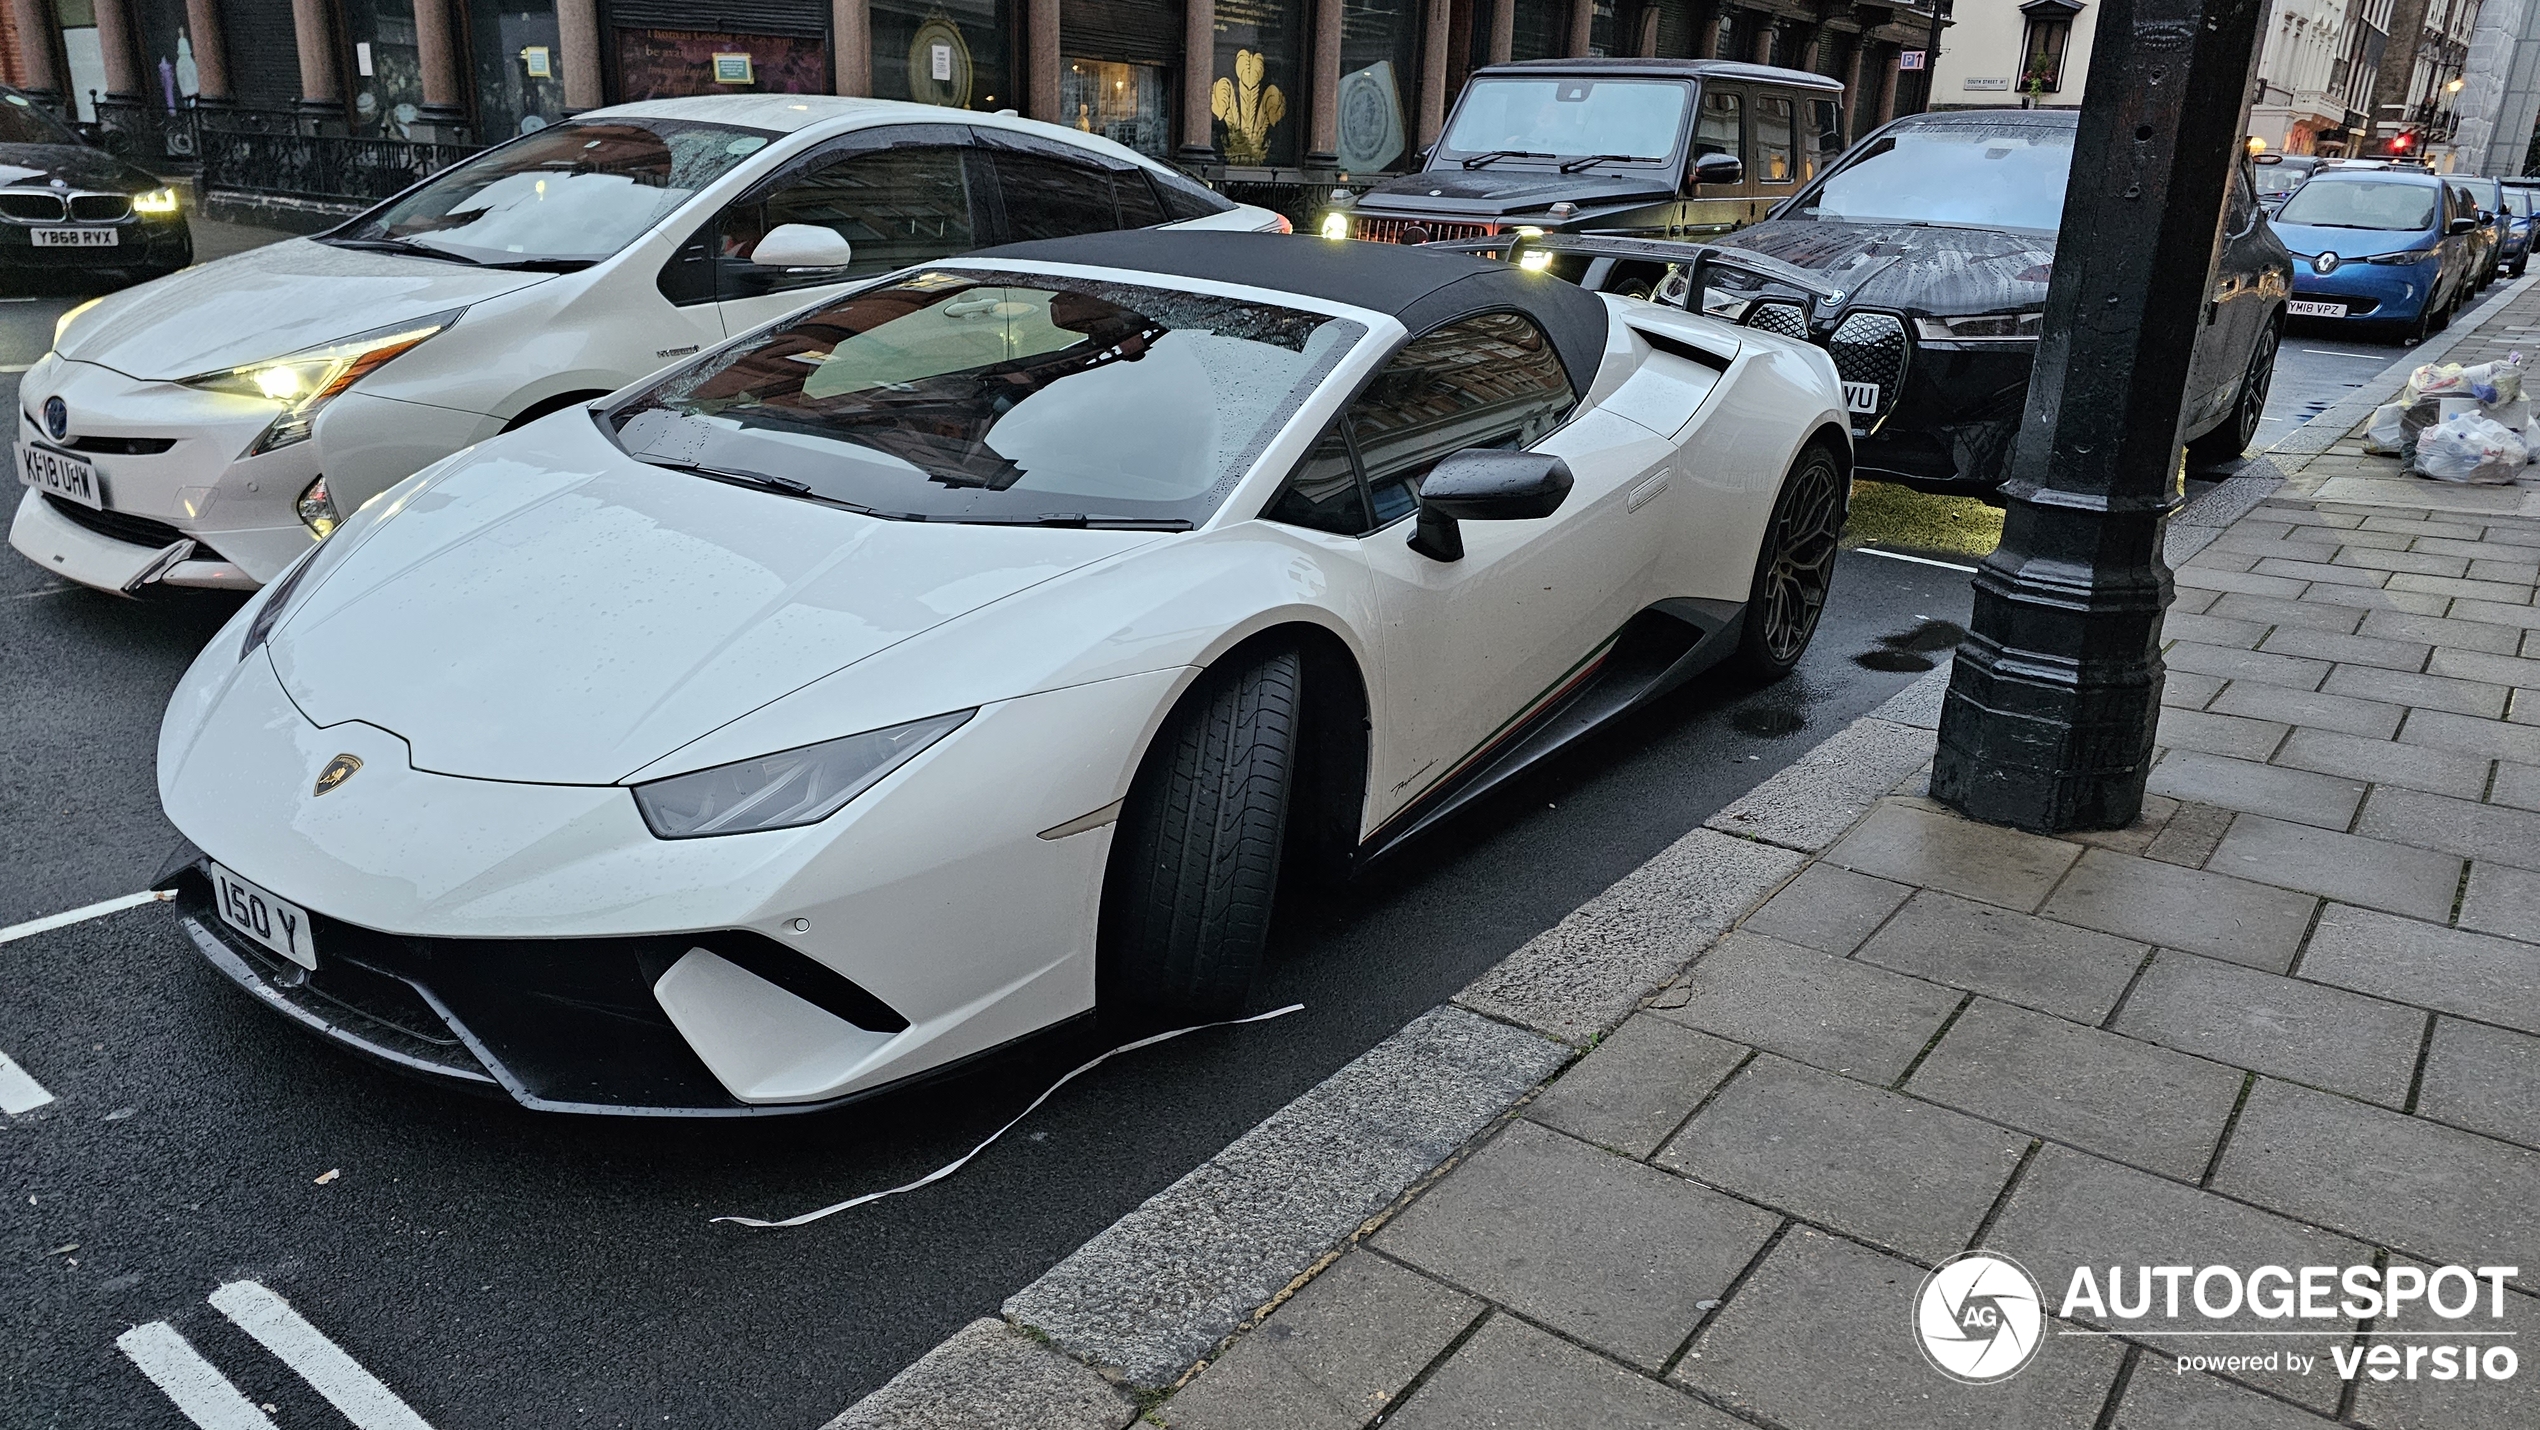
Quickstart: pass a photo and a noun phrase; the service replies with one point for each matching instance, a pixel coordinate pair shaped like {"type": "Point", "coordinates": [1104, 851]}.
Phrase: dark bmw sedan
{"type": "Point", "coordinates": [68, 207]}
{"type": "Point", "coordinates": [1939, 232]}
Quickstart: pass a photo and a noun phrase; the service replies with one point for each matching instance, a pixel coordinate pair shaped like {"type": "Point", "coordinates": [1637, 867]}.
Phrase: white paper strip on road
{"type": "Point", "coordinates": [50, 922]}
{"type": "Point", "coordinates": [19, 1091]}
{"type": "Point", "coordinates": [204, 1394]}
{"type": "Point", "coordinates": [1917, 560]}
{"type": "Point", "coordinates": [948, 1169]}
{"type": "Point", "coordinates": [255, 1309]}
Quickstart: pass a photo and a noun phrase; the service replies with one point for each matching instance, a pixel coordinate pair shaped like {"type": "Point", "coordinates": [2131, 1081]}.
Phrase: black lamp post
{"type": "Point", "coordinates": [2049, 719]}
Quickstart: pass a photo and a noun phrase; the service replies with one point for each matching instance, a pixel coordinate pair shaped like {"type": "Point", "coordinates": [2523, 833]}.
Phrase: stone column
{"type": "Point", "coordinates": [578, 39]}
{"type": "Point", "coordinates": [1433, 74]}
{"type": "Point", "coordinates": [211, 60]}
{"type": "Point", "coordinates": [1324, 137]}
{"type": "Point", "coordinates": [1199, 74]}
{"type": "Point", "coordinates": [437, 55]}
{"type": "Point", "coordinates": [321, 89]}
{"type": "Point", "coordinates": [1648, 47]}
{"type": "Point", "coordinates": [1503, 30]}
{"type": "Point", "coordinates": [1582, 26]}
{"type": "Point", "coordinates": [115, 42]}
{"type": "Point", "coordinates": [1041, 94]}
{"type": "Point", "coordinates": [851, 29]}
{"type": "Point", "coordinates": [34, 21]}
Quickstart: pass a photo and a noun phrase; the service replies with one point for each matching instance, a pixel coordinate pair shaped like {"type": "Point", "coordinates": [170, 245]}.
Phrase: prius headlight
{"type": "Point", "coordinates": [304, 382]}
{"type": "Point", "coordinates": [804, 785]}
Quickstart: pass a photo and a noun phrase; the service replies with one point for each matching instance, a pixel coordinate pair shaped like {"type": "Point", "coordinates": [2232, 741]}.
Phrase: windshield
{"type": "Point", "coordinates": [2393, 204]}
{"type": "Point", "coordinates": [2006, 177]}
{"type": "Point", "coordinates": [571, 193]}
{"type": "Point", "coordinates": [977, 396]}
{"type": "Point", "coordinates": [22, 123]}
{"type": "Point", "coordinates": [2280, 178]}
{"type": "Point", "coordinates": [1567, 118]}
{"type": "Point", "coordinates": [2518, 202]}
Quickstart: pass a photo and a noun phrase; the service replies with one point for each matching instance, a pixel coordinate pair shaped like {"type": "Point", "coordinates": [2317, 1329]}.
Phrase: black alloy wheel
{"type": "Point", "coordinates": [1794, 572]}
{"type": "Point", "coordinates": [2228, 441]}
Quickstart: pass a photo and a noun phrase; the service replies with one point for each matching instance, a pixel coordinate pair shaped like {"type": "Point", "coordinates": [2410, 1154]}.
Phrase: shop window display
{"type": "Point", "coordinates": [956, 53]}
{"type": "Point", "coordinates": [1124, 103]}
{"type": "Point", "coordinates": [1253, 99]}
{"type": "Point", "coordinates": [517, 57]}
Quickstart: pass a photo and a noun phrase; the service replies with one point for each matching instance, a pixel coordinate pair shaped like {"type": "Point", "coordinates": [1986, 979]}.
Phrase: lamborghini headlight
{"type": "Point", "coordinates": [157, 201]}
{"type": "Point", "coordinates": [1983, 328]}
{"type": "Point", "coordinates": [304, 382]}
{"type": "Point", "coordinates": [804, 785]}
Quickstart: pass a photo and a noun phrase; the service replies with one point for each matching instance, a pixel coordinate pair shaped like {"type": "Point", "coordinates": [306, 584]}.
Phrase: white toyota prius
{"type": "Point", "coordinates": [970, 653]}
{"type": "Point", "coordinates": [204, 429]}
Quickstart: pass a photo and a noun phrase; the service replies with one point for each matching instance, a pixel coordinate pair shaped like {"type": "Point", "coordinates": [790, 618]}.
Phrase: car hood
{"type": "Point", "coordinates": [546, 609]}
{"type": "Point", "coordinates": [76, 165]}
{"type": "Point", "coordinates": [2306, 241]}
{"type": "Point", "coordinates": [1915, 268]}
{"type": "Point", "coordinates": [1509, 191]}
{"type": "Point", "coordinates": [270, 301]}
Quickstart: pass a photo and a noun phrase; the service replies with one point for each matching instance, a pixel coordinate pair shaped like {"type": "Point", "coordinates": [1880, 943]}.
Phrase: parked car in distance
{"type": "Point", "coordinates": [1936, 237]}
{"type": "Point", "coordinates": [2390, 247]}
{"type": "Point", "coordinates": [2278, 175]}
{"type": "Point", "coordinates": [2495, 227]}
{"type": "Point", "coordinates": [663, 758]}
{"type": "Point", "coordinates": [205, 429]}
{"type": "Point", "coordinates": [71, 211]}
{"type": "Point", "coordinates": [1670, 148]}
{"type": "Point", "coordinates": [2522, 213]}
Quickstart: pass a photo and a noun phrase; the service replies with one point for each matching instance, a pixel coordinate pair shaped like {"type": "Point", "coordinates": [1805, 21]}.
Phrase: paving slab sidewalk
{"type": "Point", "coordinates": [2289, 1018]}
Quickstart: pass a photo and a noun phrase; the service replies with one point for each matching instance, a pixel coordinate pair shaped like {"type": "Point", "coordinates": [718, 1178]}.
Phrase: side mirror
{"type": "Point", "coordinates": [1716, 169]}
{"type": "Point", "coordinates": [1481, 484]}
{"type": "Point", "coordinates": [2462, 225]}
{"type": "Point", "coordinates": [802, 245]}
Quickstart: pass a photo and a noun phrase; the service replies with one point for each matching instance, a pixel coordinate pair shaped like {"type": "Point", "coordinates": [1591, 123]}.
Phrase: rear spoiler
{"type": "Point", "coordinates": [1605, 252]}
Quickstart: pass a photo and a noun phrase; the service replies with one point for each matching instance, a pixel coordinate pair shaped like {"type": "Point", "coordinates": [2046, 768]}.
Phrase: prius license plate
{"type": "Point", "coordinates": [268, 918]}
{"type": "Point", "coordinates": [1861, 397]}
{"type": "Point", "coordinates": [2304, 308]}
{"type": "Point", "coordinates": [76, 237]}
{"type": "Point", "coordinates": [62, 474]}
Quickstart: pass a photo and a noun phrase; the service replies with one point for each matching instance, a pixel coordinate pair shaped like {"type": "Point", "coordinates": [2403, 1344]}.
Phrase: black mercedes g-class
{"type": "Point", "coordinates": [1654, 147]}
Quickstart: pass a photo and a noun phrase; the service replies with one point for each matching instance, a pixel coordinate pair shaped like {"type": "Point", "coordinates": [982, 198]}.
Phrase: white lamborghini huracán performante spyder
{"type": "Point", "coordinates": [970, 652]}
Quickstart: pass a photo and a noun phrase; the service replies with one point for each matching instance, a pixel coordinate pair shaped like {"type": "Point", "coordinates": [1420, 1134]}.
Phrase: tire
{"type": "Point", "coordinates": [2227, 442]}
{"type": "Point", "coordinates": [2519, 265]}
{"type": "Point", "coordinates": [1195, 862]}
{"type": "Point", "coordinates": [1794, 571]}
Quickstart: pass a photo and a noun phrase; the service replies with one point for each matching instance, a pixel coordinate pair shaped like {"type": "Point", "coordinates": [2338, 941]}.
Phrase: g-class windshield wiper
{"type": "Point", "coordinates": [1575, 165]}
{"type": "Point", "coordinates": [1479, 161]}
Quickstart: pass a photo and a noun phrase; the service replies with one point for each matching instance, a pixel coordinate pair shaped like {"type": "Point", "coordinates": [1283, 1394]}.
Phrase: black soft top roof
{"type": "Point", "coordinates": [1625, 66]}
{"type": "Point", "coordinates": [1422, 288]}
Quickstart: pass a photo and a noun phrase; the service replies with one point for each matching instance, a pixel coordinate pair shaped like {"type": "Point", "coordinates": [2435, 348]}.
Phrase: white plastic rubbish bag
{"type": "Point", "coordinates": [2383, 436]}
{"type": "Point", "coordinates": [2471, 448]}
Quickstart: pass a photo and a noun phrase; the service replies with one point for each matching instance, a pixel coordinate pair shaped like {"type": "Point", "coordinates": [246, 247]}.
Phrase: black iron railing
{"type": "Point", "coordinates": [252, 150]}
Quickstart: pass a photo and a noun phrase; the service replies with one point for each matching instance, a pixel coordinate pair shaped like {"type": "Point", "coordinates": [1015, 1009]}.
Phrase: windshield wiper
{"type": "Point", "coordinates": [782, 486]}
{"type": "Point", "coordinates": [1575, 165]}
{"type": "Point", "coordinates": [1075, 519]}
{"type": "Point", "coordinates": [399, 245]}
{"type": "Point", "coordinates": [1484, 160]}
{"type": "Point", "coordinates": [538, 265]}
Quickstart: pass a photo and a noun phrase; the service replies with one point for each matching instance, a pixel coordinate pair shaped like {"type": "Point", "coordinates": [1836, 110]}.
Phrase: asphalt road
{"type": "Point", "coordinates": [499, 1268]}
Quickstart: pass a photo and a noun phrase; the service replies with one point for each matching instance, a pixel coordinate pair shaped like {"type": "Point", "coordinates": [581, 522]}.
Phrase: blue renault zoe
{"type": "Point", "coordinates": [2389, 247]}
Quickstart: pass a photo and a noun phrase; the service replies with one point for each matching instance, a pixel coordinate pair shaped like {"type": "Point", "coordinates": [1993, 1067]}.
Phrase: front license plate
{"type": "Point", "coordinates": [76, 237]}
{"type": "Point", "coordinates": [62, 474]}
{"type": "Point", "coordinates": [2301, 308]}
{"type": "Point", "coordinates": [269, 919]}
{"type": "Point", "coordinates": [1861, 397]}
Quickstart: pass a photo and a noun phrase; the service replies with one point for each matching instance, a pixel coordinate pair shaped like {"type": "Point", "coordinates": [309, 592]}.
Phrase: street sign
{"type": "Point", "coordinates": [1909, 59]}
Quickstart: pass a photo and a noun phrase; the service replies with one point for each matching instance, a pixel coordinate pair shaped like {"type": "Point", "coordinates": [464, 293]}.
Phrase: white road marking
{"type": "Point", "coordinates": [32, 927]}
{"type": "Point", "coordinates": [2359, 357]}
{"type": "Point", "coordinates": [19, 1092]}
{"type": "Point", "coordinates": [1895, 556]}
{"type": "Point", "coordinates": [204, 1394]}
{"type": "Point", "coordinates": [15, 366]}
{"type": "Point", "coordinates": [255, 1309]}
